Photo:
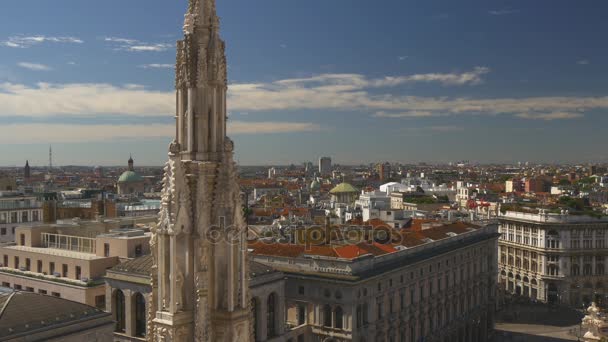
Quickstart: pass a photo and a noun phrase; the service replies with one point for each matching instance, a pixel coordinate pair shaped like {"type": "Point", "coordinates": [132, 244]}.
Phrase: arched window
{"type": "Point", "coordinates": [140, 315]}
{"type": "Point", "coordinates": [255, 313]}
{"type": "Point", "coordinates": [327, 316]}
{"type": "Point", "coordinates": [587, 269]}
{"type": "Point", "coordinates": [271, 315]}
{"type": "Point", "coordinates": [339, 318]}
{"type": "Point", "coordinates": [575, 270]}
{"type": "Point", "coordinates": [119, 309]}
{"type": "Point", "coordinates": [552, 239]}
{"type": "Point", "coordinates": [599, 269]}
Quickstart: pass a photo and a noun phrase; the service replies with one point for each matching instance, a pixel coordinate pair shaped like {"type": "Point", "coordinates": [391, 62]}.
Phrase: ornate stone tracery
{"type": "Point", "coordinates": [199, 283]}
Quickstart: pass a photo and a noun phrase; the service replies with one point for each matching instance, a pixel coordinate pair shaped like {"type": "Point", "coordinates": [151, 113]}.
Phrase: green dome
{"type": "Point", "coordinates": [315, 185]}
{"type": "Point", "coordinates": [344, 188]}
{"type": "Point", "coordinates": [130, 177]}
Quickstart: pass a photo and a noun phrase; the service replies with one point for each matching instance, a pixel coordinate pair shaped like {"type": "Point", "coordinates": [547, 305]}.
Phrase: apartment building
{"type": "Point", "coordinates": [554, 257]}
{"type": "Point", "coordinates": [17, 210]}
{"type": "Point", "coordinates": [47, 261]}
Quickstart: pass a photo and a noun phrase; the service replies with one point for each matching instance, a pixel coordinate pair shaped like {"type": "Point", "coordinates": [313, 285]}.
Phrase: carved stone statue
{"type": "Point", "coordinates": [189, 21]}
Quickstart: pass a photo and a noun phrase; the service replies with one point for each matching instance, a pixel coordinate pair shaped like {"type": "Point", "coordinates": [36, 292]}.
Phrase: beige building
{"type": "Point", "coordinates": [47, 261]}
{"type": "Point", "coordinates": [17, 210]}
{"type": "Point", "coordinates": [434, 285]}
{"type": "Point", "coordinates": [554, 257]}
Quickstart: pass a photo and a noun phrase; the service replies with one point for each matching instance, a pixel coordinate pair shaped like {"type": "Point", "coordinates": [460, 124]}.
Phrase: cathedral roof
{"type": "Point", "coordinates": [344, 188]}
{"type": "Point", "coordinates": [130, 177]}
{"type": "Point", "coordinates": [139, 266]}
{"type": "Point", "coordinates": [142, 266]}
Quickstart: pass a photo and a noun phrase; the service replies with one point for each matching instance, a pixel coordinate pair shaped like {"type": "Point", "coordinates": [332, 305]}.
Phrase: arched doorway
{"type": "Point", "coordinates": [327, 316]}
{"type": "Point", "coordinates": [140, 315]}
{"type": "Point", "coordinates": [339, 318]}
{"type": "Point", "coordinates": [271, 315]}
{"type": "Point", "coordinates": [552, 294]}
{"type": "Point", "coordinates": [119, 311]}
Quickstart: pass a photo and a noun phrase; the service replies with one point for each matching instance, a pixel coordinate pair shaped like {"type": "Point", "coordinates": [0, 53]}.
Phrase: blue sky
{"type": "Point", "coordinates": [361, 81]}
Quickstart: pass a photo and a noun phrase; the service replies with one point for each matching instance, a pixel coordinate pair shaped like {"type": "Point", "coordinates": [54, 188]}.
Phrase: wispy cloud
{"type": "Point", "coordinates": [412, 114]}
{"type": "Point", "coordinates": [402, 58]}
{"type": "Point", "coordinates": [34, 66]}
{"type": "Point", "coordinates": [503, 11]}
{"type": "Point", "coordinates": [70, 133]}
{"type": "Point", "coordinates": [29, 41]}
{"type": "Point", "coordinates": [120, 40]}
{"type": "Point", "coordinates": [46, 99]}
{"type": "Point", "coordinates": [550, 116]}
{"type": "Point", "coordinates": [343, 92]}
{"type": "Point", "coordinates": [583, 62]}
{"type": "Point", "coordinates": [354, 92]}
{"type": "Point", "coordinates": [431, 130]}
{"type": "Point", "coordinates": [157, 66]}
{"type": "Point", "coordinates": [134, 45]}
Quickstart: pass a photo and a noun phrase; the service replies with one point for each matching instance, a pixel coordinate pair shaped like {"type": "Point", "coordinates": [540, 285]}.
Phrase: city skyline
{"type": "Point", "coordinates": [500, 82]}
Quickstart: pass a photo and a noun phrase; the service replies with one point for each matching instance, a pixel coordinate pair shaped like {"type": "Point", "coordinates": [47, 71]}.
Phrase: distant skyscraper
{"type": "Point", "coordinates": [324, 166]}
{"type": "Point", "coordinates": [200, 274]}
{"type": "Point", "coordinates": [384, 171]}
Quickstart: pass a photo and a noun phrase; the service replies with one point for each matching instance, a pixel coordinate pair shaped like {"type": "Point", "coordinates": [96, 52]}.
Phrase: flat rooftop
{"type": "Point", "coordinates": [55, 252]}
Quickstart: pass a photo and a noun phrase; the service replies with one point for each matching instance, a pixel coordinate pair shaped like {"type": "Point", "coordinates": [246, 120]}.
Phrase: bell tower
{"type": "Point", "coordinates": [200, 286]}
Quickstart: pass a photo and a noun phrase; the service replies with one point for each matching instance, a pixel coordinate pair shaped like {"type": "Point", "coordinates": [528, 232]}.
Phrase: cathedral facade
{"type": "Point", "coordinates": [200, 271]}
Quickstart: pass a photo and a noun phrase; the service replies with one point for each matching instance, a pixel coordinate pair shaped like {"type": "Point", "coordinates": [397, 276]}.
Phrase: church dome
{"type": "Point", "coordinates": [130, 177]}
{"type": "Point", "coordinates": [344, 188]}
{"type": "Point", "coordinates": [314, 185]}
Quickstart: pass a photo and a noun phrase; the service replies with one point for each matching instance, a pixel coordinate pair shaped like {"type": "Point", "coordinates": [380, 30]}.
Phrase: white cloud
{"type": "Point", "coordinates": [402, 58]}
{"type": "Point", "coordinates": [34, 66]}
{"type": "Point", "coordinates": [157, 66]}
{"type": "Point", "coordinates": [69, 133]}
{"type": "Point", "coordinates": [147, 47]}
{"type": "Point", "coordinates": [29, 41]}
{"type": "Point", "coordinates": [503, 12]}
{"type": "Point", "coordinates": [550, 116]}
{"type": "Point", "coordinates": [352, 92]}
{"type": "Point", "coordinates": [414, 114]}
{"type": "Point", "coordinates": [46, 99]}
{"type": "Point", "coordinates": [134, 45]}
{"type": "Point", "coordinates": [583, 62]}
{"type": "Point", "coordinates": [120, 40]}
{"type": "Point", "coordinates": [472, 77]}
{"type": "Point", "coordinates": [343, 92]}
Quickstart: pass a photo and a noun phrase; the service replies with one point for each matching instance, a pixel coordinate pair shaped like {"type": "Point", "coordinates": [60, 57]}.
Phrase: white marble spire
{"type": "Point", "coordinates": [199, 281]}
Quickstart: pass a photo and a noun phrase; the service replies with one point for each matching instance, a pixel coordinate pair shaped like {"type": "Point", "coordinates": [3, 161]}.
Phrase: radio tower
{"type": "Point", "coordinates": [50, 158]}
